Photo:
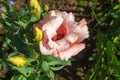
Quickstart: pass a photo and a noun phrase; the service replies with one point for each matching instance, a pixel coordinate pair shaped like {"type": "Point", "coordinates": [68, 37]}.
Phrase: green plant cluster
{"type": "Point", "coordinates": [18, 39]}
{"type": "Point", "coordinates": [106, 60]}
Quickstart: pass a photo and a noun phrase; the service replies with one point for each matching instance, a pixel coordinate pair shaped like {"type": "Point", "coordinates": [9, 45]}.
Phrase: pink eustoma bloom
{"type": "Point", "coordinates": [62, 36]}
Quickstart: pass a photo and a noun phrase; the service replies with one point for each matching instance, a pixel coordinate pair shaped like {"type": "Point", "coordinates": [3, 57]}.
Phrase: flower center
{"type": "Point", "coordinates": [61, 32]}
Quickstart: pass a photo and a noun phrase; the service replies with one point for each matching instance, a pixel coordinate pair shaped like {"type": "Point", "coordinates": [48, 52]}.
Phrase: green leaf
{"type": "Point", "coordinates": [55, 63]}
{"type": "Point", "coordinates": [51, 75]}
{"type": "Point", "coordinates": [54, 68]}
{"type": "Point", "coordinates": [21, 23]}
{"type": "Point", "coordinates": [9, 26]}
{"type": "Point", "coordinates": [21, 70]}
{"type": "Point", "coordinates": [47, 69]}
{"type": "Point", "coordinates": [14, 78]}
{"type": "Point", "coordinates": [3, 15]}
{"type": "Point", "coordinates": [54, 60]}
{"type": "Point", "coordinates": [18, 77]}
{"type": "Point", "coordinates": [43, 77]}
{"type": "Point", "coordinates": [4, 65]}
{"type": "Point", "coordinates": [22, 78]}
{"type": "Point", "coordinates": [59, 62]}
{"type": "Point", "coordinates": [45, 66]}
{"type": "Point", "coordinates": [16, 43]}
{"type": "Point", "coordinates": [33, 19]}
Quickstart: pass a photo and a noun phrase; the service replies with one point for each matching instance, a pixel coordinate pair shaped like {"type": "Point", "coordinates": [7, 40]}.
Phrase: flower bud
{"type": "Point", "coordinates": [46, 8]}
{"type": "Point", "coordinates": [34, 55]}
{"type": "Point", "coordinates": [37, 9]}
{"type": "Point", "coordinates": [19, 60]}
{"type": "Point", "coordinates": [37, 34]}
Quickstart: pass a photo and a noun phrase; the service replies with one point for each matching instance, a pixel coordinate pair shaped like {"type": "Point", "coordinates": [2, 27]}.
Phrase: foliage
{"type": "Point", "coordinates": [19, 52]}
{"type": "Point", "coordinates": [106, 60]}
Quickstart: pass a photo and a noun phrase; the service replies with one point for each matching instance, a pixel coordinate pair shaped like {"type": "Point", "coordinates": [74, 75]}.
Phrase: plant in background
{"type": "Point", "coordinates": [32, 47]}
{"type": "Point", "coordinates": [106, 61]}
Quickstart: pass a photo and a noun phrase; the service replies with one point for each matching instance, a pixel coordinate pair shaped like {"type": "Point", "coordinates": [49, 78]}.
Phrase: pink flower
{"type": "Point", "coordinates": [62, 35]}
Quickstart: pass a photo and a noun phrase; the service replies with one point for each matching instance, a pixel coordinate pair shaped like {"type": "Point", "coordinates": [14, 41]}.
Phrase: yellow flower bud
{"type": "Point", "coordinates": [37, 9]}
{"type": "Point", "coordinates": [19, 60]}
{"type": "Point", "coordinates": [34, 55]}
{"type": "Point", "coordinates": [37, 34]}
{"type": "Point", "coordinates": [46, 8]}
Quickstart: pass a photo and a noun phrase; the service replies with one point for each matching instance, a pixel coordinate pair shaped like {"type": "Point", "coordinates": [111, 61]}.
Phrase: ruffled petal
{"type": "Point", "coordinates": [44, 50]}
{"type": "Point", "coordinates": [51, 26]}
{"type": "Point", "coordinates": [82, 30]}
{"type": "Point", "coordinates": [71, 37]}
{"type": "Point", "coordinates": [62, 35]}
{"type": "Point", "coordinates": [72, 51]}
